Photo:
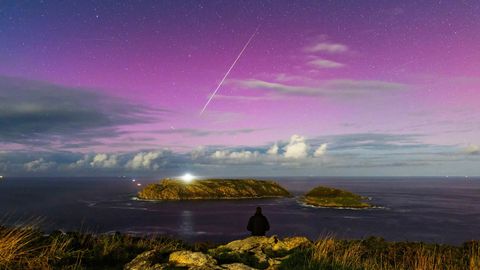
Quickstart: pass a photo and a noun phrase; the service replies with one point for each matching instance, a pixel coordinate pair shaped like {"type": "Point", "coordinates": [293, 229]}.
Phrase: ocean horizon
{"type": "Point", "coordinates": [427, 209]}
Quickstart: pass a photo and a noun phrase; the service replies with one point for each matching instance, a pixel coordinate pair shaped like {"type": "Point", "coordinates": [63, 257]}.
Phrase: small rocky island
{"type": "Point", "coordinates": [173, 189]}
{"type": "Point", "coordinates": [335, 198]}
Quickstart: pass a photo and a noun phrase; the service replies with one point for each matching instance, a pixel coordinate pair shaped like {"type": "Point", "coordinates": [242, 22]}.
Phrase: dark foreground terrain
{"type": "Point", "coordinates": [25, 247]}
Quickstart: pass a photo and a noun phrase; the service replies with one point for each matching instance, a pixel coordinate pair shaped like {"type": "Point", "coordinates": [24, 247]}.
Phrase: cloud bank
{"type": "Point", "coordinates": [297, 155]}
{"type": "Point", "coordinates": [40, 113]}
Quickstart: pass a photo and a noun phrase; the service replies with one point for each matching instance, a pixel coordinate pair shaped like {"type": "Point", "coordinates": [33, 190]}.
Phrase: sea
{"type": "Point", "coordinates": [435, 210]}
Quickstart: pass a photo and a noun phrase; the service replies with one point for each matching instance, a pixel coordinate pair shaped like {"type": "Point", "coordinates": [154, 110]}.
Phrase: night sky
{"type": "Point", "coordinates": [345, 88]}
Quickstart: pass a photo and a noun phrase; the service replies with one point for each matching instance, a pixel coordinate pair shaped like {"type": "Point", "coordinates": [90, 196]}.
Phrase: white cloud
{"type": "Point", "coordinates": [324, 63]}
{"type": "Point", "coordinates": [247, 98]}
{"type": "Point", "coordinates": [220, 154]}
{"type": "Point", "coordinates": [321, 150]}
{"type": "Point", "coordinates": [144, 160]}
{"type": "Point", "coordinates": [244, 155]}
{"type": "Point", "coordinates": [38, 165]}
{"type": "Point", "coordinates": [332, 88]}
{"type": "Point", "coordinates": [283, 77]}
{"type": "Point", "coordinates": [238, 155]}
{"type": "Point", "coordinates": [472, 149]}
{"type": "Point", "coordinates": [104, 161]}
{"type": "Point", "coordinates": [328, 47]}
{"type": "Point", "coordinates": [296, 148]}
{"type": "Point", "coordinates": [278, 87]}
{"type": "Point", "coordinates": [81, 163]}
{"type": "Point", "coordinates": [273, 150]}
{"type": "Point", "coordinates": [198, 152]}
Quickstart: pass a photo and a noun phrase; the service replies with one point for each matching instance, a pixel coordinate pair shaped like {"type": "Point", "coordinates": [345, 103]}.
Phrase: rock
{"type": "Point", "coordinates": [267, 243]}
{"type": "Point", "coordinates": [251, 243]}
{"type": "Point", "coordinates": [205, 267]}
{"type": "Point", "coordinates": [237, 266]}
{"type": "Point", "coordinates": [149, 260]}
{"type": "Point", "coordinates": [259, 251]}
{"type": "Point", "coordinates": [273, 263]}
{"type": "Point", "coordinates": [253, 246]}
{"type": "Point", "coordinates": [255, 252]}
{"type": "Point", "coordinates": [290, 243]}
{"type": "Point", "coordinates": [186, 258]}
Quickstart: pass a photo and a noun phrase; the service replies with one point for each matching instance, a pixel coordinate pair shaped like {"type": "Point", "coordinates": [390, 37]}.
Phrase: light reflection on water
{"type": "Point", "coordinates": [186, 228]}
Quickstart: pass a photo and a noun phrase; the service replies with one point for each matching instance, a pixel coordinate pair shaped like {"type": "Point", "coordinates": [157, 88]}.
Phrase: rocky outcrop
{"type": "Point", "coordinates": [149, 260]}
{"type": "Point", "coordinates": [171, 189]}
{"type": "Point", "coordinates": [186, 258]}
{"type": "Point", "coordinates": [335, 198]}
{"type": "Point", "coordinates": [237, 266]}
{"type": "Point", "coordinates": [256, 252]}
{"type": "Point", "coordinates": [259, 251]}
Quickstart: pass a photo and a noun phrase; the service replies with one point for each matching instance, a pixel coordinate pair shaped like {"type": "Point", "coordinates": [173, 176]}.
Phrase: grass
{"type": "Point", "coordinates": [171, 189]}
{"type": "Point", "coordinates": [329, 253]}
{"type": "Point", "coordinates": [25, 247]}
{"type": "Point", "coordinates": [22, 247]}
{"type": "Point", "coordinates": [225, 256]}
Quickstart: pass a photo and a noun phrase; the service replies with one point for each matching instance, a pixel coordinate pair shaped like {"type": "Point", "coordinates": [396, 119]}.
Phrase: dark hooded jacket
{"type": "Point", "coordinates": [258, 224]}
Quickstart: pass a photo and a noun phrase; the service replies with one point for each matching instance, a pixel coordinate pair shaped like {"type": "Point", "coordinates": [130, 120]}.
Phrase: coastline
{"type": "Point", "coordinates": [77, 250]}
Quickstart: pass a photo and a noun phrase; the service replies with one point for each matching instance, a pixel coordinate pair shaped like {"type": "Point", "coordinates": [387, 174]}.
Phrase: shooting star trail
{"type": "Point", "coordinates": [228, 71]}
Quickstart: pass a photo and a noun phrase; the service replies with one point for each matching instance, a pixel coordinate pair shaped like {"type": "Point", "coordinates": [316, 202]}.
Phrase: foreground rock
{"type": "Point", "coordinates": [186, 258]}
{"type": "Point", "coordinates": [335, 198]}
{"type": "Point", "coordinates": [171, 189]}
{"type": "Point", "coordinates": [256, 252]}
{"type": "Point", "coordinates": [149, 260]}
{"type": "Point", "coordinates": [259, 251]}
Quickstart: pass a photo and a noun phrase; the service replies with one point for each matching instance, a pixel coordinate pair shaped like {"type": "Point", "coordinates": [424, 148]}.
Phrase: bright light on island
{"type": "Point", "coordinates": [187, 177]}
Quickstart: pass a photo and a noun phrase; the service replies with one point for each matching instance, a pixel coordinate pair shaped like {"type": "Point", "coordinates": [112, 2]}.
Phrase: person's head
{"type": "Point", "coordinates": [259, 210]}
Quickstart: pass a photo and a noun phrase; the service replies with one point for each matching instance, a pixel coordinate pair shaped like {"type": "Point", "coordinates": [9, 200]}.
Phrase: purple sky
{"type": "Point", "coordinates": [340, 87]}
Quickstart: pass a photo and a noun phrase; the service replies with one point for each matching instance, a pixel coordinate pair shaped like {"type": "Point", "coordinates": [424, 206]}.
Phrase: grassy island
{"type": "Point", "coordinates": [172, 189]}
{"type": "Point", "coordinates": [331, 197]}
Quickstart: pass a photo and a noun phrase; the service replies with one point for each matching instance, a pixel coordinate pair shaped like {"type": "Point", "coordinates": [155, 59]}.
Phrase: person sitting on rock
{"type": "Point", "coordinates": [258, 223]}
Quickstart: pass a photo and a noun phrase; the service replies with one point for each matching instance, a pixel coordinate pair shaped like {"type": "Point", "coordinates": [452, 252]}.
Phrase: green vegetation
{"type": "Point", "coordinates": [27, 248]}
{"type": "Point", "coordinates": [332, 197]}
{"type": "Point", "coordinates": [171, 189]}
{"type": "Point", "coordinates": [226, 256]}
{"type": "Point", "coordinates": [374, 253]}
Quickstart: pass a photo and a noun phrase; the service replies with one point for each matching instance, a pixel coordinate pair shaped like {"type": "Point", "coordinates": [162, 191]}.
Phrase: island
{"type": "Point", "coordinates": [335, 198]}
{"type": "Point", "coordinates": [175, 189]}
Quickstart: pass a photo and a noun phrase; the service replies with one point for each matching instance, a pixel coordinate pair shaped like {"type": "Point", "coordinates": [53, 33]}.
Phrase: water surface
{"type": "Point", "coordinates": [443, 210]}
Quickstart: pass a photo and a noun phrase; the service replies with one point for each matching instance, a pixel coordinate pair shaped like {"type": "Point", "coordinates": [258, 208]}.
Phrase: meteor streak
{"type": "Point", "coordinates": [228, 71]}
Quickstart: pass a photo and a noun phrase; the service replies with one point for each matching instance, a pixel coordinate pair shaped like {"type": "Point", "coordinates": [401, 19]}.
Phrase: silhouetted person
{"type": "Point", "coordinates": [258, 223]}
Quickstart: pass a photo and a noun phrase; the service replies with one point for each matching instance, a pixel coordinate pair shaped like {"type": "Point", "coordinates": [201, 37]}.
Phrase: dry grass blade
{"type": "Point", "coordinates": [15, 245]}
